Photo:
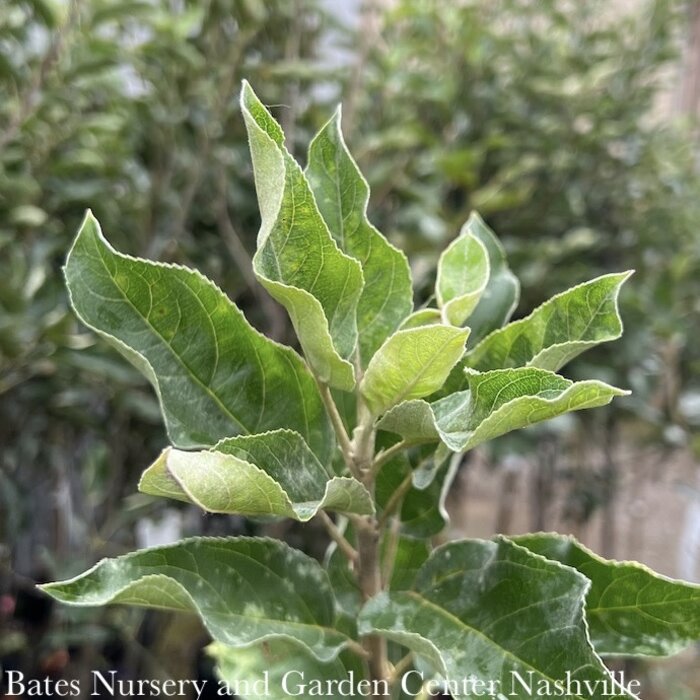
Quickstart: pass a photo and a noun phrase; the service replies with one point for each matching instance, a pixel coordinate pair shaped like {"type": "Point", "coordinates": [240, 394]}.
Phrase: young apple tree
{"type": "Point", "coordinates": [364, 430]}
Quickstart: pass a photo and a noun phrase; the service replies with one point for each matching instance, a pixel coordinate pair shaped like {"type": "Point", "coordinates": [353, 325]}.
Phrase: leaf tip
{"type": "Point", "coordinates": [248, 96]}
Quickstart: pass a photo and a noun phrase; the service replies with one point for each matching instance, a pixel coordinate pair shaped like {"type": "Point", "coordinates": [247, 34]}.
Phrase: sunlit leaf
{"type": "Point", "coordinates": [411, 364]}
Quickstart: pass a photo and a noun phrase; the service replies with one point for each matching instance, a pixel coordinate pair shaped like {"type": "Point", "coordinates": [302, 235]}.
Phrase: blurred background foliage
{"type": "Point", "coordinates": [555, 119]}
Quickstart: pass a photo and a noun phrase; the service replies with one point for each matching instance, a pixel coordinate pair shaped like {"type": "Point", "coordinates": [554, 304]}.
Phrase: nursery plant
{"type": "Point", "coordinates": [364, 429]}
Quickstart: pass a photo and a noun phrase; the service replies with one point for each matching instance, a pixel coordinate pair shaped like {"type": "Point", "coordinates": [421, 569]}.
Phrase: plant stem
{"type": "Point", "coordinates": [396, 499]}
{"type": "Point", "coordinates": [369, 571]}
{"type": "Point", "coordinates": [369, 575]}
{"type": "Point", "coordinates": [341, 434]}
{"type": "Point", "coordinates": [386, 455]}
{"type": "Point", "coordinates": [401, 666]}
{"type": "Point", "coordinates": [337, 536]}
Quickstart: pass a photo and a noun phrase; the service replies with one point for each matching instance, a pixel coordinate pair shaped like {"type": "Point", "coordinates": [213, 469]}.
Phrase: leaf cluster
{"type": "Point", "coordinates": [368, 422]}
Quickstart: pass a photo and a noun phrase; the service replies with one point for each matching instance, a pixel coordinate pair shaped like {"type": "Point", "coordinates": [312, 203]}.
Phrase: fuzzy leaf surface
{"type": "Point", "coordinates": [214, 374]}
{"type": "Point", "coordinates": [553, 334]}
{"type": "Point", "coordinates": [631, 610]}
{"type": "Point", "coordinates": [421, 317]}
{"type": "Point", "coordinates": [462, 275]}
{"type": "Point", "coordinates": [256, 475]}
{"type": "Point", "coordinates": [495, 403]}
{"type": "Point", "coordinates": [245, 590]}
{"type": "Point", "coordinates": [411, 364]}
{"type": "Point", "coordinates": [297, 260]}
{"type": "Point", "coordinates": [342, 195]}
{"type": "Point", "coordinates": [492, 609]}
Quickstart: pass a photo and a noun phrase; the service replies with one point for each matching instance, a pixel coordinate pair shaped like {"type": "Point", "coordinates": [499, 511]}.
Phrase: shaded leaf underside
{"type": "Point", "coordinates": [256, 475]}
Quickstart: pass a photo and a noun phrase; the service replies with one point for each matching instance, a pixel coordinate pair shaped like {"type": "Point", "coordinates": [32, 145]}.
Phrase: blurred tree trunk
{"type": "Point", "coordinates": [610, 482]}
{"type": "Point", "coordinates": [542, 484]}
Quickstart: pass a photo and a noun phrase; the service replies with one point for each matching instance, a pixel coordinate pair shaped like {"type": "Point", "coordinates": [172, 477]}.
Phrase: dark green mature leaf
{"type": "Point", "coordinates": [462, 275]}
{"type": "Point", "coordinates": [297, 260]}
{"type": "Point", "coordinates": [491, 610]}
{"type": "Point", "coordinates": [214, 374]}
{"type": "Point", "coordinates": [502, 292]}
{"type": "Point", "coordinates": [411, 364]}
{"type": "Point", "coordinates": [277, 670]}
{"type": "Point", "coordinates": [342, 195]}
{"type": "Point", "coordinates": [245, 589]}
{"type": "Point", "coordinates": [630, 609]}
{"type": "Point", "coordinates": [496, 403]}
{"type": "Point", "coordinates": [556, 332]}
{"type": "Point", "coordinates": [273, 473]}
{"type": "Point", "coordinates": [423, 513]}
{"type": "Point", "coordinates": [410, 555]}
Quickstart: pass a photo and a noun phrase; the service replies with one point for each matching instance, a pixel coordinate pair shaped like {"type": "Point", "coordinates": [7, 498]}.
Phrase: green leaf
{"type": "Point", "coordinates": [491, 610]}
{"type": "Point", "coordinates": [462, 275]}
{"type": "Point", "coordinates": [423, 513]}
{"type": "Point", "coordinates": [630, 609]}
{"type": "Point", "coordinates": [297, 260]}
{"type": "Point", "coordinates": [411, 364]}
{"type": "Point", "coordinates": [421, 317]}
{"type": "Point", "coordinates": [496, 403]}
{"type": "Point", "coordinates": [245, 589]}
{"type": "Point", "coordinates": [273, 473]}
{"type": "Point", "coordinates": [556, 332]}
{"type": "Point", "coordinates": [277, 669]}
{"type": "Point", "coordinates": [214, 374]}
{"type": "Point", "coordinates": [342, 195]}
{"type": "Point", "coordinates": [502, 292]}
{"type": "Point", "coordinates": [410, 555]}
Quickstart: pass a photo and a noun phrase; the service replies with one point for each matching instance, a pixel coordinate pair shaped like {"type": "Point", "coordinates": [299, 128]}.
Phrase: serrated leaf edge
{"type": "Point", "coordinates": [145, 365]}
{"type": "Point", "coordinates": [343, 376]}
{"type": "Point", "coordinates": [346, 642]}
{"type": "Point", "coordinates": [624, 276]}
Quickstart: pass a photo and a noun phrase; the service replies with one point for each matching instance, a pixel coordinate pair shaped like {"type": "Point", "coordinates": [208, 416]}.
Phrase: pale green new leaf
{"type": "Point", "coordinates": [553, 334]}
{"type": "Point", "coordinates": [273, 474]}
{"type": "Point", "coordinates": [297, 259]}
{"type": "Point", "coordinates": [411, 364]}
{"type": "Point", "coordinates": [630, 609]}
{"type": "Point", "coordinates": [245, 589]}
{"type": "Point", "coordinates": [490, 610]}
{"type": "Point", "coordinates": [502, 292]}
{"type": "Point", "coordinates": [462, 275]}
{"type": "Point", "coordinates": [496, 403]}
{"type": "Point", "coordinates": [277, 670]}
{"type": "Point", "coordinates": [342, 195]}
{"type": "Point", "coordinates": [214, 374]}
{"type": "Point", "coordinates": [421, 317]}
